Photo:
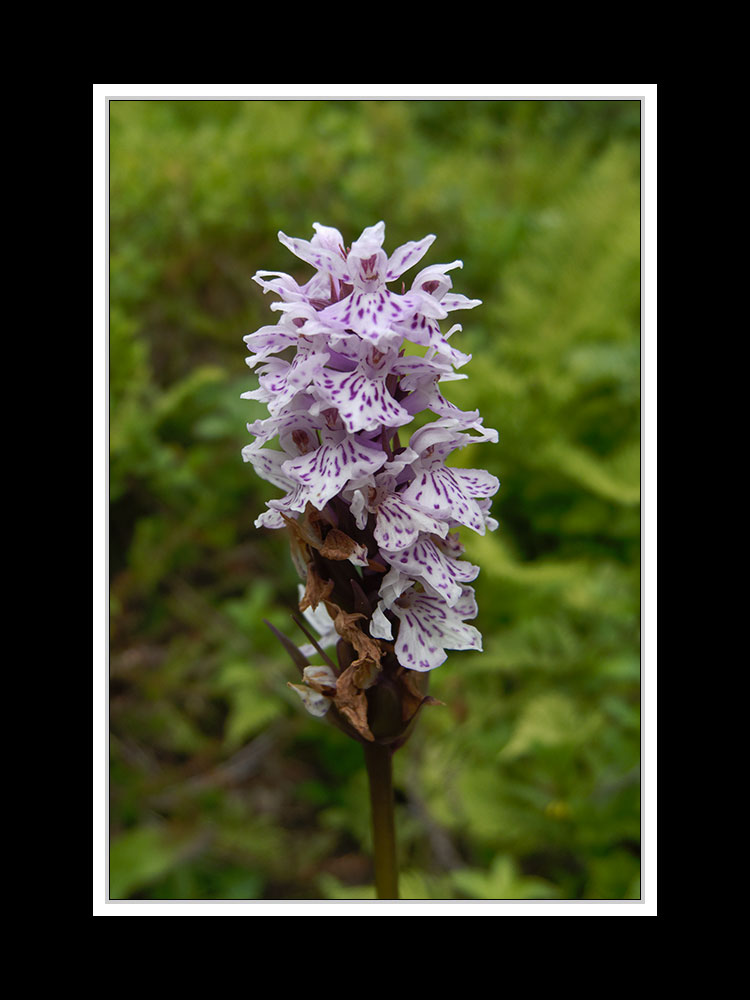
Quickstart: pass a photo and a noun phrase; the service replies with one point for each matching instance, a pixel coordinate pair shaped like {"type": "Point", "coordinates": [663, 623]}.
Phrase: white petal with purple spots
{"type": "Point", "coordinates": [426, 562]}
{"type": "Point", "coordinates": [326, 471]}
{"type": "Point", "coordinates": [427, 628]}
{"type": "Point", "coordinates": [320, 257]}
{"type": "Point", "coordinates": [399, 523]}
{"type": "Point", "coordinates": [445, 493]}
{"type": "Point", "coordinates": [407, 256]}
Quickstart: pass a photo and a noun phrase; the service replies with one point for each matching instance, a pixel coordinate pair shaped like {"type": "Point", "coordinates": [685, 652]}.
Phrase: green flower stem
{"type": "Point", "coordinates": [378, 759]}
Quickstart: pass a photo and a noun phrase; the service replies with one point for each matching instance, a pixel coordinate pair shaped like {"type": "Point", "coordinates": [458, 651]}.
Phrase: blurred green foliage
{"type": "Point", "coordinates": [526, 785]}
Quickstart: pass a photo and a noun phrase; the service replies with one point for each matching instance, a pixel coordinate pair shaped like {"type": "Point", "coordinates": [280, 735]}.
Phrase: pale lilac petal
{"type": "Point", "coordinates": [434, 279]}
{"type": "Point", "coordinates": [477, 482]}
{"type": "Point", "coordinates": [370, 239]}
{"type": "Point", "coordinates": [328, 238]}
{"type": "Point", "coordinates": [420, 305]}
{"type": "Point", "coordinates": [260, 394]}
{"type": "Point", "coordinates": [466, 605]}
{"type": "Point", "coordinates": [281, 284]}
{"type": "Point", "coordinates": [393, 585]}
{"type": "Point", "coordinates": [439, 346]}
{"type": "Point", "coordinates": [347, 349]}
{"type": "Point", "coordinates": [424, 398]}
{"type": "Point", "coordinates": [407, 256]}
{"type": "Point", "coordinates": [268, 465]}
{"type": "Point", "coordinates": [436, 440]}
{"type": "Point", "coordinates": [452, 544]}
{"type": "Point", "coordinates": [402, 459]}
{"type": "Point", "coordinates": [418, 646]}
{"type": "Point", "coordinates": [293, 503]}
{"type": "Point", "coordinates": [269, 340]}
{"type": "Point", "coordinates": [358, 509]}
{"type": "Point", "coordinates": [490, 523]}
{"type": "Point", "coordinates": [380, 627]}
{"type": "Point", "coordinates": [270, 519]}
{"type": "Point", "coordinates": [415, 369]}
{"type": "Point", "coordinates": [453, 301]}
{"type": "Point", "coordinates": [319, 257]}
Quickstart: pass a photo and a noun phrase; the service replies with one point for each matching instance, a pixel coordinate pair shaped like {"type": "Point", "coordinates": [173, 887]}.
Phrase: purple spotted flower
{"type": "Point", "coordinates": [373, 507]}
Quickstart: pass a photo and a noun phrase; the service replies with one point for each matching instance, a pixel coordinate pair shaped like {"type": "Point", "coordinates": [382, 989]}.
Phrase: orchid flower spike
{"type": "Point", "coordinates": [373, 510]}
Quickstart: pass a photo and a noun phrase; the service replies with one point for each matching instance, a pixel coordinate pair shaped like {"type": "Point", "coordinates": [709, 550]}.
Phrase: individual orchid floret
{"type": "Point", "coordinates": [361, 399]}
{"type": "Point", "coordinates": [434, 567]}
{"type": "Point", "coordinates": [427, 628]}
{"type": "Point", "coordinates": [317, 690]}
{"type": "Point", "coordinates": [452, 493]}
{"type": "Point", "coordinates": [398, 523]}
{"type": "Point", "coordinates": [325, 472]}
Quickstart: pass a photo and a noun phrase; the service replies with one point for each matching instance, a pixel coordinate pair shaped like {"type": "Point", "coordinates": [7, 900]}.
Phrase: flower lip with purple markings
{"type": "Point", "coordinates": [342, 385]}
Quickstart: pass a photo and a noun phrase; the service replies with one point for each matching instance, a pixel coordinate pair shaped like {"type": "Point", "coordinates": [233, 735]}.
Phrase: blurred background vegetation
{"type": "Point", "coordinates": [526, 785]}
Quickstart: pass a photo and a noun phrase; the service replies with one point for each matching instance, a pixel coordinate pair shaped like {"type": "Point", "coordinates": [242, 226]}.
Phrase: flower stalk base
{"type": "Point", "coordinates": [379, 763]}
